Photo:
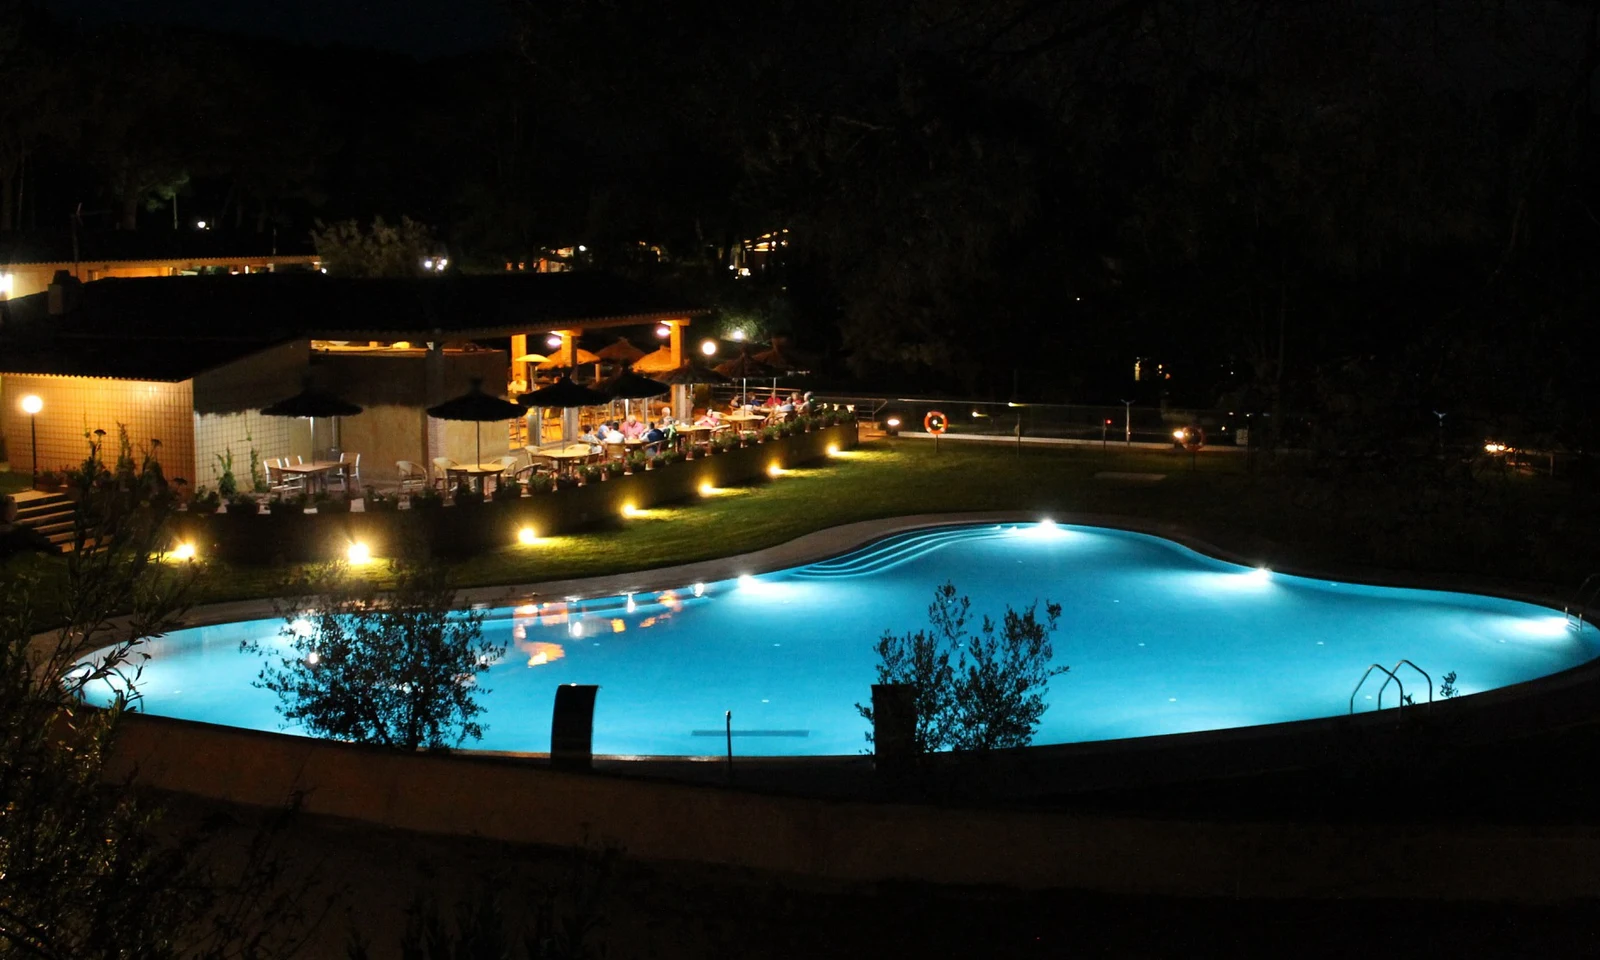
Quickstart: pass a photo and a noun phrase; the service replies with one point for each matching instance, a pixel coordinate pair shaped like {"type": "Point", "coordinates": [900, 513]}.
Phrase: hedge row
{"type": "Point", "coordinates": [457, 530]}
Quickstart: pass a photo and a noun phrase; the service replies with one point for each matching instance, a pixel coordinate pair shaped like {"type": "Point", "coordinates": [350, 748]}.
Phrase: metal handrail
{"type": "Point", "coordinates": [1363, 680]}
{"type": "Point", "coordinates": [1583, 611]}
{"type": "Point", "coordinates": [1398, 664]}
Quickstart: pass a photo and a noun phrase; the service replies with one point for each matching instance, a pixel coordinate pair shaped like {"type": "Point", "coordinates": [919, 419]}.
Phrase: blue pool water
{"type": "Point", "coordinates": [1160, 639]}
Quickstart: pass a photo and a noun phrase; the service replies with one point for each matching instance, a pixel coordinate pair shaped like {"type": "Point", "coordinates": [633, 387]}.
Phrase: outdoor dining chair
{"type": "Point", "coordinates": [412, 477]}
{"type": "Point", "coordinates": [278, 481]}
{"type": "Point", "coordinates": [349, 477]}
{"type": "Point", "coordinates": [441, 472]}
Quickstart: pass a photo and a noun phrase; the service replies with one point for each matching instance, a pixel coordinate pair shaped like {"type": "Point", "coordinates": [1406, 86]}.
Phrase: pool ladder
{"type": "Point", "coordinates": [1577, 609]}
{"type": "Point", "coordinates": [1393, 675]}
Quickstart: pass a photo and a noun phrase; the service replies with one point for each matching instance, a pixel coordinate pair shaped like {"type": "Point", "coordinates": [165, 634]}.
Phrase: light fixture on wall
{"type": "Point", "coordinates": [31, 405]}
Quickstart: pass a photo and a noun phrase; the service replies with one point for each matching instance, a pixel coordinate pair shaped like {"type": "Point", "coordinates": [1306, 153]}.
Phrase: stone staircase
{"type": "Point", "coordinates": [48, 513]}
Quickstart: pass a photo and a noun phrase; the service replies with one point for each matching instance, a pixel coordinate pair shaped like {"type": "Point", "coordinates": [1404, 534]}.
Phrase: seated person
{"type": "Point", "coordinates": [653, 435]}
{"type": "Point", "coordinates": [666, 419]}
{"type": "Point", "coordinates": [711, 418]}
{"type": "Point", "coordinates": [632, 428]}
{"type": "Point", "coordinates": [772, 402]}
{"type": "Point", "coordinates": [789, 405]}
{"type": "Point", "coordinates": [588, 434]}
{"type": "Point", "coordinates": [738, 404]}
{"type": "Point", "coordinates": [612, 434]}
{"type": "Point", "coordinates": [804, 406]}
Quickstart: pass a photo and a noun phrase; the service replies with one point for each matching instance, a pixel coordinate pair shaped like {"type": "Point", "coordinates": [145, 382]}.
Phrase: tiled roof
{"type": "Point", "coordinates": [279, 306]}
{"type": "Point", "coordinates": [124, 359]}
{"type": "Point", "coordinates": [171, 328]}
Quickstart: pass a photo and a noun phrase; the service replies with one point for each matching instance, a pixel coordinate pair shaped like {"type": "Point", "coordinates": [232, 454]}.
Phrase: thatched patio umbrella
{"type": "Point", "coordinates": [564, 395]}
{"type": "Point", "coordinates": [659, 361]}
{"type": "Point", "coordinates": [312, 403]}
{"type": "Point", "coordinates": [780, 363]}
{"type": "Point", "coordinates": [477, 407]}
{"type": "Point", "coordinates": [628, 386]}
{"type": "Point", "coordinates": [743, 368]}
{"type": "Point", "coordinates": [620, 351]}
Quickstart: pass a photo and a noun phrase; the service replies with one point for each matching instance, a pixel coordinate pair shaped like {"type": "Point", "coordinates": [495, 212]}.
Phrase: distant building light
{"type": "Point", "coordinates": [200, 224]}
{"type": "Point", "coordinates": [582, 248]}
{"type": "Point", "coordinates": [737, 336]}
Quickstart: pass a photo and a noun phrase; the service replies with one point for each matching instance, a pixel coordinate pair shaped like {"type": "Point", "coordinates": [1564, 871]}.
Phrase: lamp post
{"type": "Point", "coordinates": [1127, 422]}
{"type": "Point", "coordinates": [31, 405]}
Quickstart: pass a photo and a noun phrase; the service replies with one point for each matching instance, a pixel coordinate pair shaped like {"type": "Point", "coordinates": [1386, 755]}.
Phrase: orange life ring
{"type": "Point", "coordinates": [935, 422]}
{"type": "Point", "coordinates": [1196, 438]}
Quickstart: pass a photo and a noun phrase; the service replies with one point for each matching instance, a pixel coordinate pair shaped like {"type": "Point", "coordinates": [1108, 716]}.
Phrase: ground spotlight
{"type": "Point", "coordinates": [183, 551]}
{"type": "Point", "coordinates": [358, 553]}
{"type": "Point", "coordinates": [527, 535]}
{"type": "Point", "coordinates": [775, 470]}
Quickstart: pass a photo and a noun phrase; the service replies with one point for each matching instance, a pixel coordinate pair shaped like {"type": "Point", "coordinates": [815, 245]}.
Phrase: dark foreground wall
{"type": "Point", "coordinates": [523, 801]}
{"type": "Point", "coordinates": [459, 530]}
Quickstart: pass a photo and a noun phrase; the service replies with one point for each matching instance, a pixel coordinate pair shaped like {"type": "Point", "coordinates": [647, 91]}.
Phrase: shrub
{"type": "Point", "coordinates": [205, 501]}
{"type": "Point", "coordinates": [973, 692]}
{"type": "Point", "coordinates": [668, 457]}
{"type": "Point", "coordinates": [289, 503]}
{"type": "Point", "coordinates": [375, 501]}
{"type": "Point", "coordinates": [426, 498]}
{"type": "Point", "coordinates": [507, 490]}
{"type": "Point", "coordinates": [590, 472]}
{"type": "Point", "coordinates": [770, 432]}
{"type": "Point", "coordinates": [615, 468]}
{"type": "Point", "coordinates": [465, 495]}
{"type": "Point", "coordinates": [226, 484]}
{"type": "Point", "coordinates": [243, 505]}
{"type": "Point", "coordinates": [326, 502]}
{"type": "Point", "coordinates": [539, 483]}
{"type": "Point", "coordinates": [723, 442]}
{"type": "Point", "coordinates": [397, 668]}
{"type": "Point", "coordinates": [637, 460]}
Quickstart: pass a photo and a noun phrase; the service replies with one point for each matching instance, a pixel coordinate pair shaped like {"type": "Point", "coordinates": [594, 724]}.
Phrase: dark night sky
{"type": "Point", "coordinates": [424, 28]}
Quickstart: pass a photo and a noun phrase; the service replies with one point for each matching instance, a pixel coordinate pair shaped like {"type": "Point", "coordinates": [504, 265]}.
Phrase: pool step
{"type": "Point", "coordinates": [892, 551]}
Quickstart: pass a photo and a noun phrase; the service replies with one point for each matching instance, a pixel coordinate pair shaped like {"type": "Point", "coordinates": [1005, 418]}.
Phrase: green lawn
{"type": "Point", "coordinates": [1524, 528]}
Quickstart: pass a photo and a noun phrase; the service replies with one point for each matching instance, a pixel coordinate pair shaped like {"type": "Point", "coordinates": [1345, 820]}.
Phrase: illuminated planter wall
{"type": "Point", "coordinates": [473, 528]}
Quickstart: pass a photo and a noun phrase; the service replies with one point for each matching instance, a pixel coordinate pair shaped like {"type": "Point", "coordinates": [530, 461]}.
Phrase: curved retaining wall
{"type": "Point", "coordinates": [854, 841]}
{"type": "Point", "coordinates": [459, 530]}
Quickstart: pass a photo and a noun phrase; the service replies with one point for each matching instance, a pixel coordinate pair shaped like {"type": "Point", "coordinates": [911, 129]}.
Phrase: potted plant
{"type": "Point", "coordinates": [205, 501]}
{"type": "Point", "coordinates": [615, 468]}
{"type": "Point", "coordinates": [638, 462]}
{"type": "Point", "coordinates": [590, 473]}
{"type": "Point", "coordinates": [325, 502]}
{"type": "Point", "coordinates": [426, 499]}
{"type": "Point", "coordinates": [376, 501]}
{"type": "Point", "coordinates": [288, 503]}
{"type": "Point", "coordinates": [668, 458]}
{"type": "Point", "coordinates": [464, 495]}
{"type": "Point", "coordinates": [724, 442]}
{"type": "Point", "coordinates": [540, 483]}
{"type": "Point", "coordinates": [769, 432]}
{"type": "Point", "coordinates": [507, 490]}
{"type": "Point", "coordinates": [243, 505]}
{"type": "Point", "coordinates": [803, 423]}
{"type": "Point", "coordinates": [51, 481]}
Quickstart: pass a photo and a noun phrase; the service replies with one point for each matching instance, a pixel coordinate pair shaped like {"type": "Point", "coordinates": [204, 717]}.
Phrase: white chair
{"type": "Point", "coordinates": [441, 472]}
{"type": "Point", "coordinates": [347, 477]}
{"type": "Point", "coordinates": [412, 477]}
{"type": "Point", "coordinates": [280, 482]}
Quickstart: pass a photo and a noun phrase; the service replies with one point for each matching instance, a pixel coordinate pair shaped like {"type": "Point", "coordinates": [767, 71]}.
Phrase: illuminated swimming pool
{"type": "Point", "coordinates": [1160, 639]}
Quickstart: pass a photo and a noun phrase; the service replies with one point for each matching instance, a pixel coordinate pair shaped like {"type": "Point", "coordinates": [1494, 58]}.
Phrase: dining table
{"type": "Point", "coordinates": [745, 422]}
{"type": "Point", "coordinates": [565, 456]}
{"type": "Point", "coordinates": [476, 472]}
{"type": "Point", "coordinates": [315, 472]}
